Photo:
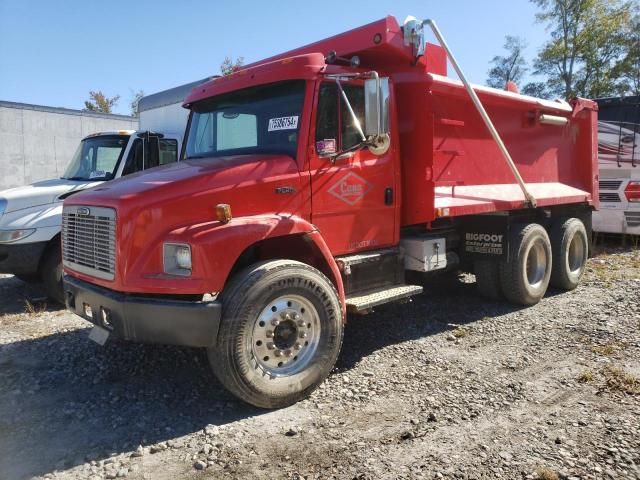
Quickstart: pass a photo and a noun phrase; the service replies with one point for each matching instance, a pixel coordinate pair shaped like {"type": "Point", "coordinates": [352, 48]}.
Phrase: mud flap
{"type": "Point", "coordinates": [486, 238]}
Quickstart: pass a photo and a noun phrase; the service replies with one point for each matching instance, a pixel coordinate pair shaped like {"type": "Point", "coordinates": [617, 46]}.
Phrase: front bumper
{"type": "Point", "coordinates": [21, 258]}
{"type": "Point", "coordinates": [145, 319]}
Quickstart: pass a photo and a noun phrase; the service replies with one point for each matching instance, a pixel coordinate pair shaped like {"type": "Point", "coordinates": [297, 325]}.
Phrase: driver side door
{"type": "Point", "coordinates": [353, 198]}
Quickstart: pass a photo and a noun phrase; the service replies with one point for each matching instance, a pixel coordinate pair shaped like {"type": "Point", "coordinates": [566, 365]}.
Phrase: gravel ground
{"type": "Point", "coordinates": [449, 386]}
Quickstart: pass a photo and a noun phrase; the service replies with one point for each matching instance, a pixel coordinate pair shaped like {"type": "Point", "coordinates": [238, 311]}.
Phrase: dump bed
{"type": "Point", "coordinates": [452, 166]}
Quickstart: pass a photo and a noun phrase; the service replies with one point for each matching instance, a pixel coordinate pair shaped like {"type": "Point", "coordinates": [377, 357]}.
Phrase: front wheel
{"type": "Point", "coordinates": [51, 272]}
{"type": "Point", "coordinates": [280, 333]}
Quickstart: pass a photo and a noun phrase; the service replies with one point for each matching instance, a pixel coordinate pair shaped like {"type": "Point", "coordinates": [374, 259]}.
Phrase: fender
{"type": "Point", "coordinates": [216, 246]}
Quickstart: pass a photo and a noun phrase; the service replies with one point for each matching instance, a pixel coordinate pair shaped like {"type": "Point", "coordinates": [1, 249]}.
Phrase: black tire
{"type": "Point", "coordinates": [525, 276]}
{"type": "Point", "coordinates": [51, 272]}
{"type": "Point", "coordinates": [488, 279]}
{"type": "Point", "coordinates": [264, 372]}
{"type": "Point", "coordinates": [570, 249]}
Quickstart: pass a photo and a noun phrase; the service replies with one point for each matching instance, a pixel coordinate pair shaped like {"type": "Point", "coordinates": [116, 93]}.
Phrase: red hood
{"type": "Point", "coordinates": [169, 202]}
{"type": "Point", "coordinates": [186, 179]}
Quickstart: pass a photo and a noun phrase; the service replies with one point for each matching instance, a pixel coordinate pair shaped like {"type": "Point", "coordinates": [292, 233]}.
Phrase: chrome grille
{"type": "Point", "coordinates": [632, 218]}
{"type": "Point", "coordinates": [609, 197]}
{"type": "Point", "coordinates": [89, 240]}
{"type": "Point", "coordinates": [610, 184]}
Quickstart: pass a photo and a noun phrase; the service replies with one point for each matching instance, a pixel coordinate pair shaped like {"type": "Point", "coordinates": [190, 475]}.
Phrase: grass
{"type": "Point", "coordinates": [34, 309]}
{"type": "Point", "coordinates": [609, 348]}
{"type": "Point", "coordinates": [546, 473]}
{"type": "Point", "coordinates": [586, 376]}
{"type": "Point", "coordinates": [460, 332]}
{"type": "Point", "coordinates": [617, 379]}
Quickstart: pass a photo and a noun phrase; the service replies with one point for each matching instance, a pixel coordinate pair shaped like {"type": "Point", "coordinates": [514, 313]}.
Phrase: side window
{"type": "Point", "coordinates": [168, 151]}
{"type": "Point", "coordinates": [334, 121]}
{"type": "Point", "coordinates": [236, 130]}
{"type": "Point", "coordinates": [350, 135]}
{"type": "Point", "coordinates": [327, 119]}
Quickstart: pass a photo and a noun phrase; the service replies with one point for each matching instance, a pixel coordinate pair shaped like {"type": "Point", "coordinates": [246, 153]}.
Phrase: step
{"type": "Point", "coordinates": [362, 301]}
{"type": "Point", "coordinates": [371, 256]}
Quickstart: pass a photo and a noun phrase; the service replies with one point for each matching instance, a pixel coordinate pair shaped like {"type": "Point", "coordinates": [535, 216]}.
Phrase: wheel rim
{"type": "Point", "coordinates": [576, 254]}
{"type": "Point", "coordinates": [536, 263]}
{"type": "Point", "coordinates": [285, 336]}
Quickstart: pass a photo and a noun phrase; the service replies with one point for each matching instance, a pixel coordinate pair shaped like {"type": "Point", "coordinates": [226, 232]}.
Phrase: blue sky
{"type": "Point", "coordinates": [54, 52]}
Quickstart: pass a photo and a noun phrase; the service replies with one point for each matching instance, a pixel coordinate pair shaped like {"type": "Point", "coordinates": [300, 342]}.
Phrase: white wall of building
{"type": "Point", "coordinates": [37, 143]}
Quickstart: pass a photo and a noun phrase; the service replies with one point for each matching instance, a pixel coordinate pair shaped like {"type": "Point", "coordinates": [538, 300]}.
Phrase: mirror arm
{"type": "Point", "coordinates": [356, 122]}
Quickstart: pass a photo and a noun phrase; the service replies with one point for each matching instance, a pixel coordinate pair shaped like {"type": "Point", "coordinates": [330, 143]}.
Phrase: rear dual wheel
{"type": "Point", "coordinates": [524, 277]}
{"type": "Point", "coordinates": [280, 334]}
{"type": "Point", "coordinates": [536, 260]}
{"type": "Point", "coordinates": [570, 246]}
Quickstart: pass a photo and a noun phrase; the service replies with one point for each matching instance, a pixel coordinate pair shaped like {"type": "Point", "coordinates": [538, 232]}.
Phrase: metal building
{"type": "Point", "coordinates": [37, 142]}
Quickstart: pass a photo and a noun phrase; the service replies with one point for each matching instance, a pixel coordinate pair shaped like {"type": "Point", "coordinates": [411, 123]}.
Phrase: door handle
{"type": "Point", "coordinates": [388, 196]}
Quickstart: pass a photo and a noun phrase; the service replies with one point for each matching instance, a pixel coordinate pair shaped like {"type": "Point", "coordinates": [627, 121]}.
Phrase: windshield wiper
{"type": "Point", "coordinates": [74, 178]}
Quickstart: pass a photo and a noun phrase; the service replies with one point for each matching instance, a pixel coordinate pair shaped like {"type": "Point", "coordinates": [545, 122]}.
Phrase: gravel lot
{"type": "Point", "coordinates": [449, 386]}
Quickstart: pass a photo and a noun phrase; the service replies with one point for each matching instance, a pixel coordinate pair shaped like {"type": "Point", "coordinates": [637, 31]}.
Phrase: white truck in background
{"type": "Point", "coordinates": [619, 159]}
{"type": "Point", "coordinates": [31, 216]}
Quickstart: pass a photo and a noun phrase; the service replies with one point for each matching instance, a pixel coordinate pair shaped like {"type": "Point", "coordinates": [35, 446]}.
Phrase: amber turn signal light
{"type": "Point", "coordinates": [223, 212]}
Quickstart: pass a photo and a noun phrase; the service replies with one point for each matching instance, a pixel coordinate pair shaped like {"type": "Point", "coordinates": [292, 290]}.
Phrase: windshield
{"type": "Point", "coordinates": [97, 158]}
{"type": "Point", "coordinates": [263, 119]}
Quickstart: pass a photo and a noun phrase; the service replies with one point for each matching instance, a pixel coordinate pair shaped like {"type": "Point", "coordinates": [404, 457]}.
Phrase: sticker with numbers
{"type": "Point", "coordinates": [283, 123]}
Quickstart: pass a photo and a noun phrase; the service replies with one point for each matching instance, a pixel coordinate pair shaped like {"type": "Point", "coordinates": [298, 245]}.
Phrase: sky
{"type": "Point", "coordinates": [53, 52]}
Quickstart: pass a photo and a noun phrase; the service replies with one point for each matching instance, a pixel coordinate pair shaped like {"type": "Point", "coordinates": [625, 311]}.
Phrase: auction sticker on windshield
{"type": "Point", "coordinates": [283, 123]}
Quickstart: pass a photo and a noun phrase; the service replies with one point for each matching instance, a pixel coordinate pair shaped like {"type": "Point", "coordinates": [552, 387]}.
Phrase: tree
{"type": "Point", "coordinates": [229, 66]}
{"type": "Point", "coordinates": [585, 45]}
{"type": "Point", "coordinates": [536, 89]}
{"type": "Point", "coordinates": [509, 68]}
{"type": "Point", "coordinates": [627, 71]}
{"type": "Point", "coordinates": [135, 99]}
{"type": "Point", "coordinates": [98, 102]}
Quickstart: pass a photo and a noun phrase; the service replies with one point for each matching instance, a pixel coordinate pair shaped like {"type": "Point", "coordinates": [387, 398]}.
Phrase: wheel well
{"type": "Point", "coordinates": [291, 247]}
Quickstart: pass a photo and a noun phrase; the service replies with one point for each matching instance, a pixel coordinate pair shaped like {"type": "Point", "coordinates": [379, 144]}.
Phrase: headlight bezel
{"type": "Point", "coordinates": [171, 264]}
{"type": "Point", "coordinates": [12, 236]}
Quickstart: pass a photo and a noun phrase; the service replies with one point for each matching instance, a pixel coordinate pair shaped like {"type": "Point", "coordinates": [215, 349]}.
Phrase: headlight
{"type": "Point", "coordinates": [3, 205]}
{"type": "Point", "coordinates": [8, 236]}
{"type": "Point", "coordinates": [177, 259]}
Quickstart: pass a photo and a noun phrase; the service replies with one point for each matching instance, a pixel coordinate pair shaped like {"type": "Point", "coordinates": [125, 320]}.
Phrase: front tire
{"type": "Point", "coordinates": [280, 334]}
{"type": "Point", "coordinates": [525, 276]}
{"type": "Point", "coordinates": [570, 247]}
{"type": "Point", "coordinates": [51, 272]}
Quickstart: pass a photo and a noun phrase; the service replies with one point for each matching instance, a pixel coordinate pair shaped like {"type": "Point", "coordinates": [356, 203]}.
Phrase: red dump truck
{"type": "Point", "coordinates": [311, 183]}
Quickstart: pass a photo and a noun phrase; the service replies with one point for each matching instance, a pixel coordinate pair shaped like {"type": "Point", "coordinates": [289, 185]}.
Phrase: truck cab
{"type": "Point", "coordinates": [312, 184]}
{"type": "Point", "coordinates": [31, 216]}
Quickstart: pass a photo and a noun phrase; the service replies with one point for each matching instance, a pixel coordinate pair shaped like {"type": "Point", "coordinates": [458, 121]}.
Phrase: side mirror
{"type": "Point", "coordinates": [376, 107]}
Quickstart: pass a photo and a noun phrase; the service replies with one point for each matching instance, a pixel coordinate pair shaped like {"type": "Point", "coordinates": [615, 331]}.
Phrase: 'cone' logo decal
{"type": "Point", "coordinates": [351, 188]}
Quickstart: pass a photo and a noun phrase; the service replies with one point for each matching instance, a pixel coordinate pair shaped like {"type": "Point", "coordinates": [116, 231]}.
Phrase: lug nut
{"type": "Point", "coordinates": [297, 346]}
{"type": "Point", "coordinates": [278, 353]}
{"type": "Point", "coordinates": [287, 353]}
{"type": "Point", "coordinates": [275, 322]}
{"type": "Point", "coordinates": [287, 316]}
{"type": "Point", "coordinates": [296, 316]}
{"type": "Point", "coordinates": [301, 323]}
{"type": "Point", "coordinates": [269, 334]}
{"type": "Point", "coordinates": [303, 335]}
{"type": "Point", "coordinates": [270, 346]}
